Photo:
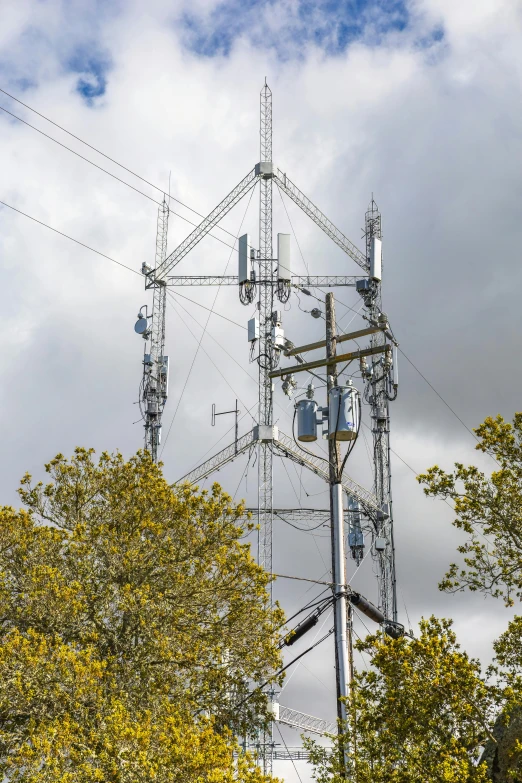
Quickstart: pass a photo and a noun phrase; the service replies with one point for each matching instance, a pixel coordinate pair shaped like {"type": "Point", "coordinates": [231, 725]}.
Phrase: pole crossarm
{"type": "Point", "coordinates": [317, 465]}
{"type": "Point", "coordinates": [220, 459]}
{"type": "Point", "coordinates": [313, 212]}
{"type": "Point", "coordinates": [304, 722]}
{"type": "Point", "coordinates": [342, 357]}
{"type": "Point", "coordinates": [217, 214]}
{"type": "Point", "coordinates": [340, 339]}
{"type": "Point", "coordinates": [298, 281]}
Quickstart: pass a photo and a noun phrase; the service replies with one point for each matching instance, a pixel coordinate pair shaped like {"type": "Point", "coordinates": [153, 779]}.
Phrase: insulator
{"type": "Point", "coordinates": [301, 629]}
{"type": "Point", "coordinates": [393, 629]}
{"type": "Point", "coordinates": [366, 607]}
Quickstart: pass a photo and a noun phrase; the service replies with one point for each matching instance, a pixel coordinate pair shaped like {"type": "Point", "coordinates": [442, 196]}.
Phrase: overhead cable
{"type": "Point", "coordinates": [136, 190]}
{"type": "Point", "coordinates": [175, 293]}
{"type": "Point", "coordinates": [134, 174]}
{"type": "Point", "coordinates": [206, 325]}
{"type": "Point", "coordinates": [77, 241]}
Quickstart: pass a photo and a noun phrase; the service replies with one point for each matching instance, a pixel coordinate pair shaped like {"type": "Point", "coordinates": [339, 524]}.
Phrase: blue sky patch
{"type": "Point", "coordinates": [93, 70]}
{"type": "Point", "coordinates": [331, 24]}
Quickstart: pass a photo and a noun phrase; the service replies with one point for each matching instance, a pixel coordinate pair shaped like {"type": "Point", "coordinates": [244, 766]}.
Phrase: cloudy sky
{"type": "Point", "coordinates": [416, 102]}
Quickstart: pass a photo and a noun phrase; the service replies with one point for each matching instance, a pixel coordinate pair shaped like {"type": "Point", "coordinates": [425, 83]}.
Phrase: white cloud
{"type": "Point", "coordinates": [435, 134]}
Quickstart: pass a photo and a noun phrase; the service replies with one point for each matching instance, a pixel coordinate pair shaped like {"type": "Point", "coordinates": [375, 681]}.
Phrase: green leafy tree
{"type": "Point", "coordinates": [489, 510]}
{"type": "Point", "coordinates": [419, 714]}
{"type": "Point", "coordinates": [131, 611]}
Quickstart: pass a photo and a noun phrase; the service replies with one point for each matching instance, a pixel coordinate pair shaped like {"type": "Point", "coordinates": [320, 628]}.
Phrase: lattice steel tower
{"type": "Point", "coordinates": [266, 351]}
{"type": "Point", "coordinates": [379, 393]}
{"type": "Point", "coordinates": [154, 388]}
{"type": "Point", "coordinates": [261, 274]}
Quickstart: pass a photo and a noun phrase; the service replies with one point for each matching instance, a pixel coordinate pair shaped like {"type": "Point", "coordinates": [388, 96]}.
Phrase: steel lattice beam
{"type": "Point", "coordinates": [299, 514]}
{"type": "Point", "coordinates": [219, 460]}
{"type": "Point", "coordinates": [304, 722]}
{"type": "Point", "coordinates": [217, 214]}
{"type": "Point", "coordinates": [319, 466]}
{"type": "Point", "coordinates": [313, 212]}
{"type": "Point", "coordinates": [285, 445]}
{"type": "Point", "coordinates": [299, 281]}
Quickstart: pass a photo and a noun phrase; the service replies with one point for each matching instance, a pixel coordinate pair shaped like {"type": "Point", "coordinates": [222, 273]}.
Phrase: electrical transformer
{"type": "Point", "coordinates": [343, 413]}
{"type": "Point", "coordinates": [306, 420]}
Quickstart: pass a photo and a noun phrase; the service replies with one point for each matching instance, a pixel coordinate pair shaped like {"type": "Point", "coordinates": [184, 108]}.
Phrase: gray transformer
{"type": "Point", "coordinates": [306, 420]}
{"type": "Point", "coordinates": [343, 413]}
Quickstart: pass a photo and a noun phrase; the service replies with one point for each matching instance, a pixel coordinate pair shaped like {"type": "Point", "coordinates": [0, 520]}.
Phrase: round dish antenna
{"type": "Point", "coordinates": [140, 327]}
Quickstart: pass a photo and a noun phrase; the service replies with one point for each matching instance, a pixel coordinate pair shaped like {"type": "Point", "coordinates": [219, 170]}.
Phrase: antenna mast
{"type": "Point", "coordinates": [267, 359]}
{"type": "Point", "coordinates": [155, 364]}
{"type": "Point", "coordinates": [380, 393]}
{"type": "Point", "coordinates": [266, 351]}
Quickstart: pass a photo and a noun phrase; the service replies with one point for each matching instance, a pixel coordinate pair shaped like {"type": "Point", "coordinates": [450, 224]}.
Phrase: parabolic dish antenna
{"type": "Point", "coordinates": [141, 325]}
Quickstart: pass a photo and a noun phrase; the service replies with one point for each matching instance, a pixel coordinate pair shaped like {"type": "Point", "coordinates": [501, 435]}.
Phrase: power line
{"type": "Point", "coordinates": [288, 752]}
{"type": "Point", "coordinates": [47, 119]}
{"type": "Point", "coordinates": [432, 387]}
{"type": "Point", "coordinates": [109, 258]}
{"type": "Point", "coordinates": [136, 190]}
{"type": "Point", "coordinates": [206, 325]}
{"type": "Point", "coordinates": [175, 293]}
{"type": "Point", "coordinates": [161, 190]}
{"type": "Point", "coordinates": [190, 370]}
{"type": "Point", "coordinates": [77, 241]}
{"type": "Point", "coordinates": [448, 406]}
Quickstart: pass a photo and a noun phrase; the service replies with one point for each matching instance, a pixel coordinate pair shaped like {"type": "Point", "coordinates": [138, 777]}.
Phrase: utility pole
{"type": "Point", "coordinates": [342, 643]}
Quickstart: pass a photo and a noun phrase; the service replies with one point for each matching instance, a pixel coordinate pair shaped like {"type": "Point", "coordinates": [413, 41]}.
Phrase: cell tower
{"type": "Point", "coordinates": [155, 382]}
{"type": "Point", "coordinates": [269, 278]}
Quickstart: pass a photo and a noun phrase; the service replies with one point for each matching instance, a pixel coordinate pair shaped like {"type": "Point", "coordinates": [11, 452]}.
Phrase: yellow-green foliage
{"type": "Point", "coordinates": [420, 714]}
{"type": "Point", "coordinates": [131, 612]}
{"type": "Point", "coordinates": [489, 506]}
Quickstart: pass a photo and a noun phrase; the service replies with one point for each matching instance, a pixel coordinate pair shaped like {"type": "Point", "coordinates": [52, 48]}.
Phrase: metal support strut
{"type": "Point", "coordinates": [266, 363]}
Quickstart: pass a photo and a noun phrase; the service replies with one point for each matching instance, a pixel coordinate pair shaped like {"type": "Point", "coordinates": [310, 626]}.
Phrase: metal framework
{"type": "Point", "coordinates": [217, 214]}
{"type": "Point", "coordinates": [155, 363]}
{"type": "Point", "coordinates": [313, 212]}
{"type": "Point", "coordinates": [298, 281]}
{"type": "Point", "coordinates": [304, 722]}
{"type": "Point", "coordinates": [279, 443]}
{"type": "Point", "coordinates": [266, 438]}
{"type": "Point", "coordinates": [379, 399]}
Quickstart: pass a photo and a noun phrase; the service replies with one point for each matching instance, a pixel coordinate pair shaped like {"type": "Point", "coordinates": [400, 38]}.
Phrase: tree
{"type": "Point", "coordinates": [489, 510]}
{"type": "Point", "coordinates": [420, 714]}
{"type": "Point", "coordinates": [131, 612]}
